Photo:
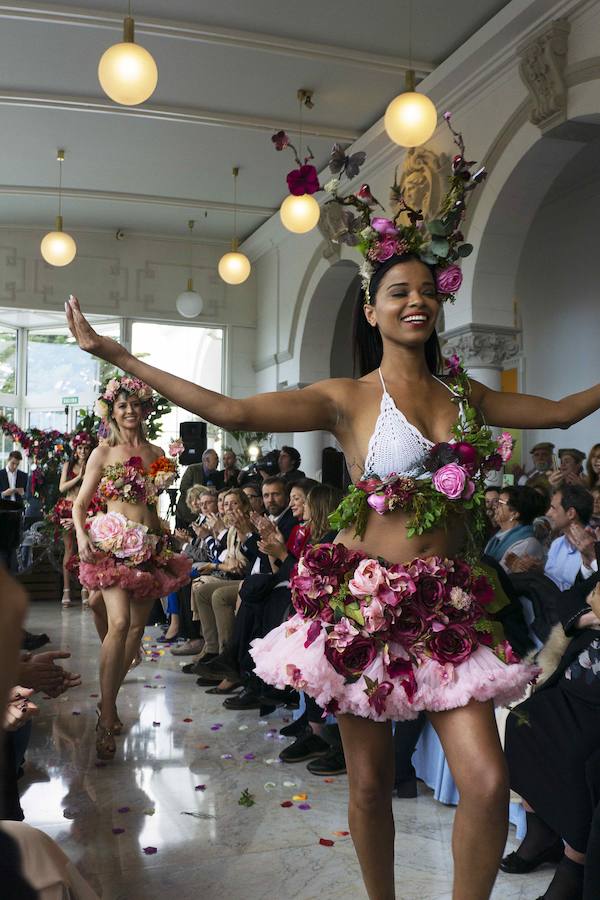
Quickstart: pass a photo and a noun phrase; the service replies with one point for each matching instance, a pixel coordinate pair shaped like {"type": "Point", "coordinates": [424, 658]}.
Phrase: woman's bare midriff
{"type": "Point", "coordinates": [385, 537]}
{"type": "Point", "coordinates": [136, 512]}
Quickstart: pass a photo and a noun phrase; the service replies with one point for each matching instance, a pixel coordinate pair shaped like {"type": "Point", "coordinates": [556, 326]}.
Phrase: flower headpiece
{"type": "Point", "coordinates": [125, 384]}
{"type": "Point", "coordinates": [83, 439]}
{"type": "Point", "coordinates": [439, 242]}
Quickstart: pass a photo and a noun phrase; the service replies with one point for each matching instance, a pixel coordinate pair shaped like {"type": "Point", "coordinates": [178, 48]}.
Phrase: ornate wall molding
{"type": "Point", "coordinates": [542, 68]}
{"type": "Point", "coordinates": [482, 346]}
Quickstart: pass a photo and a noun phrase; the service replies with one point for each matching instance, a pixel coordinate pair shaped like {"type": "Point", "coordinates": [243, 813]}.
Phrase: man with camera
{"type": "Point", "coordinates": [205, 473]}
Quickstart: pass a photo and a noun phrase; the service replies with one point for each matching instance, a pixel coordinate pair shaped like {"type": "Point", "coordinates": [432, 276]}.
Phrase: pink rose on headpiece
{"type": "Point", "coordinates": [386, 248]}
{"type": "Point", "coordinates": [303, 180]}
{"type": "Point", "coordinates": [383, 226]}
{"type": "Point", "coordinates": [451, 480]}
{"type": "Point", "coordinates": [449, 279]}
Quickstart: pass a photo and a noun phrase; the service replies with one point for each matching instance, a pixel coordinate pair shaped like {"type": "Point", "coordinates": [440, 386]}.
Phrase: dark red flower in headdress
{"type": "Point", "coordinates": [281, 140]}
{"type": "Point", "coordinates": [303, 180]}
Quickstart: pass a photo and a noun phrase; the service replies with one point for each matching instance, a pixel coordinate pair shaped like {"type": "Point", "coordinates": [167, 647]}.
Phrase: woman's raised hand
{"type": "Point", "coordinates": [88, 339]}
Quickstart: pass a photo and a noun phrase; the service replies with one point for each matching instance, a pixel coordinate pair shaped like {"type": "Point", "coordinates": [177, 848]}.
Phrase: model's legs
{"type": "Point", "coordinates": [69, 545]}
{"type": "Point", "coordinates": [138, 616]}
{"type": "Point", "coordinates": [112, 653]}
{"type": "Point", "coordinates": [369, 752]}
{"type": "Point", "coordinates": [470, 740]}
{"type": "Point", "coordinates": [98, 607]}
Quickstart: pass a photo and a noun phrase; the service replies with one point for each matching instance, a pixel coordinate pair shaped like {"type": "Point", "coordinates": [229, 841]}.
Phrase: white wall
{"type": "Point", "coordinates": [139, 277]}
{"type": "Point", "coordinates": [558, 292]}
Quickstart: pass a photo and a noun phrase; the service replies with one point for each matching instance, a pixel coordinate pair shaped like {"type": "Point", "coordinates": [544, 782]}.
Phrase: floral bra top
{"type": "Point", "coordinates": [129, 482]}
{"type": "Point", "coordinates": [430, 482]}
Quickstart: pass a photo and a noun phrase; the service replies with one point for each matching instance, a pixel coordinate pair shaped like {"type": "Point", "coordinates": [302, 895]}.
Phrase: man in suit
{"type": "Point", "coordinates": [13, 482]}
{"type": "Point", "coordinates": [198, 473]}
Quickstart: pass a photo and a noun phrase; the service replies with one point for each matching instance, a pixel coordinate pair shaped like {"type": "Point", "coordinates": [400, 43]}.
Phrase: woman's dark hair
{"type": "Point", "coordinates": [368, 345]}
{"type": "Point", "coordinates": [526, 502]}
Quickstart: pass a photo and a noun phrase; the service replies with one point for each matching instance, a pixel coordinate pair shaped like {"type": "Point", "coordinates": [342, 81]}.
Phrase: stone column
{"type": "Point", "coordinates": [484, 350]}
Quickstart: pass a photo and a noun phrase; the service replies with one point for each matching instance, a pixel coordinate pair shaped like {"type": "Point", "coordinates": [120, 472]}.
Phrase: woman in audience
{"type": "Point", "coordinates": [551, 740]}
{"type": "Point", "coordinates": [516, 509]}
{"type": "Point", "coordinates": [592, 468]}
{"type": "Point", "coordinates": [125, 552]}
{"type": "Point", "coordinates": [71, 478]}
{"type": "Point", "coordinates": [214, 594]}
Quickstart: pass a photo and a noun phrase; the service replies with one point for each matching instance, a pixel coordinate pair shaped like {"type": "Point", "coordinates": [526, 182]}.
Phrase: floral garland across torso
{"type": "Point", "coordinates": [452, 481]}
{"type": "Point", "coordinates": [128, 482]}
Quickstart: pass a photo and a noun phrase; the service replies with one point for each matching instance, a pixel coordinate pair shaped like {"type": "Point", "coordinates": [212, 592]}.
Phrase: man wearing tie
{"type": "Point", "coordinates": [13, 483]}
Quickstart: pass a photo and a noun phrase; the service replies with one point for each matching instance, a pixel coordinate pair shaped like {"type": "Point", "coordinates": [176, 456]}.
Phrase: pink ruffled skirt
{"type": "Point", "coordinates": [131, 557]}
{"type": "Point", "coordinates": [387, 642]}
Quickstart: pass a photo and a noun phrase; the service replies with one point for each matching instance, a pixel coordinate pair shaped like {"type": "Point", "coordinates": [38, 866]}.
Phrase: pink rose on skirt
{"type": "Point", "coordinates": [368, 576]}
{"type": "Point", "coordinates": [133, 542]}
{"type": "Point", "coordinates": [448, 279]}
{"type": "Point", "coordinates": [453, 645]}
{"type": "Point", "coordinates": [450, 480]}
{"type": "Point", "coordinates": [374, 616]}
{"type": "Point", "coordinates": [107, 529]}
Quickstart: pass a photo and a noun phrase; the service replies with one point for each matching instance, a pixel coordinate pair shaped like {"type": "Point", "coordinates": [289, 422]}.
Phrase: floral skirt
{"type": "Point", "coordinates": [61, 514]}
{"type": "Point", "coordinates": [388, 641]}
{"type": "Point", "coordinates": [132, 557]}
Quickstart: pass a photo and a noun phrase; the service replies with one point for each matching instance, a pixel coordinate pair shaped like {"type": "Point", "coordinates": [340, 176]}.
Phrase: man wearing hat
{"type": "Point", "coordinates": [541, 456]}
{"type": "Point", "coordinates": [571, 468]}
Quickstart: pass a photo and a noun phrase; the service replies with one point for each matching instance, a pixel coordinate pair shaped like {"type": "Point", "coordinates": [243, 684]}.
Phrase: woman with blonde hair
{"type": "Point", "coordinates": [124, 552]}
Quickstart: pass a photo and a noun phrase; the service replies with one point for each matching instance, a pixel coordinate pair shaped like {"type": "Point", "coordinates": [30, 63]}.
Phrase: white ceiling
{"type": "Point", "coordinates": [228, 76]}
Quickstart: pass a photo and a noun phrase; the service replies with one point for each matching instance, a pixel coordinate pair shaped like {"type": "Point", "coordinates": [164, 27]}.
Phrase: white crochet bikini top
{"type": "Point", "coordinates": [397, 446]}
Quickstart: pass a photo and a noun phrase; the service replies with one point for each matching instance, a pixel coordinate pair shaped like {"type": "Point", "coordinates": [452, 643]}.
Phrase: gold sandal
{"type": "Point", "coordinates": [105, 742]}
{"type": "Point", "coordinates": [117, 727]}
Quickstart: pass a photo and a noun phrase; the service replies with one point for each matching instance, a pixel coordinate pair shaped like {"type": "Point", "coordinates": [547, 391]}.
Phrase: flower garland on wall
{"type": "Point", "coordinates": [48, 450]}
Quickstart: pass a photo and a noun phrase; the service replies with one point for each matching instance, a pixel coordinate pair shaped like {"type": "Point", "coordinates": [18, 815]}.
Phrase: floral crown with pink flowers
{"type": "Point", "coordinates": [83, 439]}
{"type": "Point", "coordinates": [125, 384]}
{"type": "Point", "coordinates": [438, 243]}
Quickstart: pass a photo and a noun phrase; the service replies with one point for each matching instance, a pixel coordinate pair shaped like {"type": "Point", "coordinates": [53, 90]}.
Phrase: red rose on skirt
{"type": "Point", "coordinates": [483, 590]}
{"type": "Point", "coordinates": [353, 659]}
{"type": "Point", "coordinates": [410, 626]}
{"type": "Point", "coordinates": [453, 645]}
{"type": "Point", "coordinates": [430, 592]}
{"type": "Point", "coordinates": [332, 560]}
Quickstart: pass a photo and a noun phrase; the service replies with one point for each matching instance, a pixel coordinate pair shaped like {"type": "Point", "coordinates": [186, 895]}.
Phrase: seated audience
{"type": "Point", "coordinates": [214, 593]}
{"type": "Point", "coordinates": [570, 470]}
{"type": "Point", "coordinates": [253, 493]}
{"type": "Point", "coordinates": [595, 518]}
{"type": "Point", "coordinates": [551, 739]}
{"type": "Point", "coordinates": [516, 509]}
{"type": "Point", "coordinates": [592, 468]}
{"type": "Point", "coordinates": [199, 473]}
{"type": "Point", "coordinates": [289, 465]}
{"type": "Point", "coordinates": [542, 457]}
{"type": "Point", "coordinates": [571, 554]}
{"type": "Point", "coordinates": [492, 492]}
{"type": "Point", "coordinates": [230, 471]}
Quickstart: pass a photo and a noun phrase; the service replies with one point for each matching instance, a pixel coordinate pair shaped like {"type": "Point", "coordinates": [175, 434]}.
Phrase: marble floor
{"type": "Point", "coordinates": [163, 819]}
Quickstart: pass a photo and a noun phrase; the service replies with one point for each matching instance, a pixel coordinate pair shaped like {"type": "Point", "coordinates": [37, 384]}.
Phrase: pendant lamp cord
{"type": "Point", "coordinates": [60, 162]}
{"type": "Point", "coordinates": [410, 60]}
{"type": "Point", "coordinates": [300, 125]}
{"type": "Point", "coordinates": [235, 177]}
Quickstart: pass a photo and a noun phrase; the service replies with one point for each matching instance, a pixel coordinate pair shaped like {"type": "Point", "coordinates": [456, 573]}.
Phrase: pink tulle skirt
{"type": "Point", "coordinates": [132, 558]}
{"type": "Point", "coordinates": [414, 638]}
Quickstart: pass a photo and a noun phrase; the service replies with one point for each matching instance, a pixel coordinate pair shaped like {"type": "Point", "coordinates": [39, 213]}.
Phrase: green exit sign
{"type": "Point", "coordinates": [70, 401]}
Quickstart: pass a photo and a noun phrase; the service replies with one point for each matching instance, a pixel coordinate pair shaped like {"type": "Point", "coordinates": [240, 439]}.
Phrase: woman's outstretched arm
{"type": "Point", "coordinates": [527, 411]}
{"type": "Point", "coordinates": [314, 408]}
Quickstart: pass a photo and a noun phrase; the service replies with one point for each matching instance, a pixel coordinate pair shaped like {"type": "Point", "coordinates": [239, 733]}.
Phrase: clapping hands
{"type": "Point", "coordinates": [18, 709]}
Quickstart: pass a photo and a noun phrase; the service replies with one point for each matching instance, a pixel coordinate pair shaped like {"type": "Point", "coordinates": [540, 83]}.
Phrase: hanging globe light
{"type": "Point", "coordinates": [234, 267]}
{"type": "Point", "coordinates": [411, 118]}
{"type": "Point", "coordinates": [189, 303]}
{"type": "Point", "coordinates": [126, 71]}
{"type": "Point", "coordinates": [57, 247]}
{"type": "Point", "coordinates": [300, 214]}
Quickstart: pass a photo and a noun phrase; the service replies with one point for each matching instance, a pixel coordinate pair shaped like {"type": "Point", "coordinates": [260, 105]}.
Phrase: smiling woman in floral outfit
{"type": "Point", "coordinates": [395, 617]}
{"type": "Point", "coordinates": [124, 552]}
